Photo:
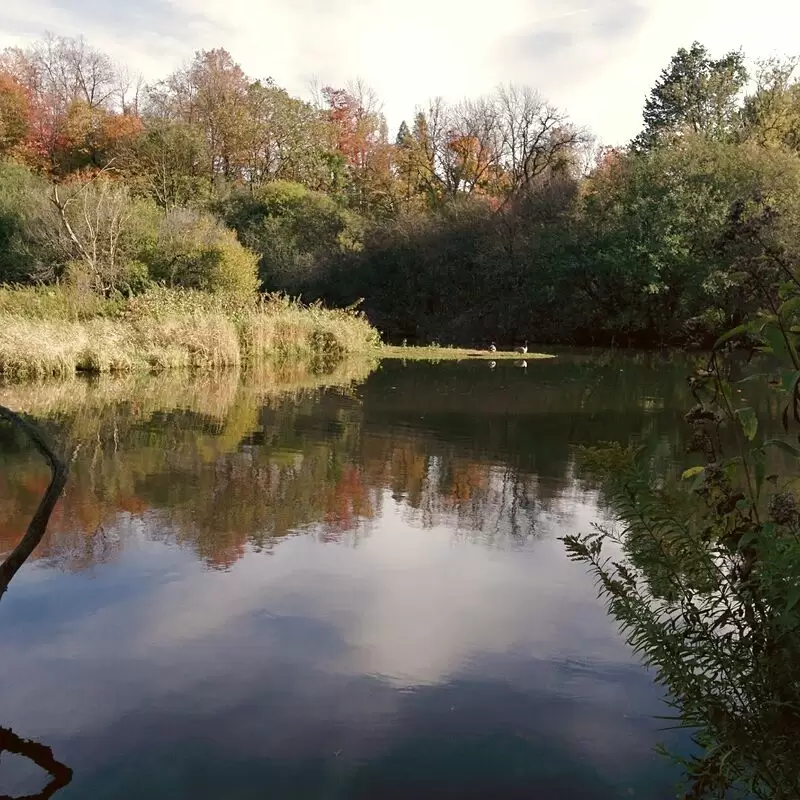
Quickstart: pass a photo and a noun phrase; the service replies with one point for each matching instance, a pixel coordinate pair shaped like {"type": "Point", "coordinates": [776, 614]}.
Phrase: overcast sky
{"type": "Point", "coordinates": [594, 58]}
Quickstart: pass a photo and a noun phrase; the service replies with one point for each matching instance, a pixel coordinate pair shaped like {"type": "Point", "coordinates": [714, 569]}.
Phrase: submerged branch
{"type": "Point", "coordinates": [38, 524]}
{"type": "Point", "coordinates": [40, 755]}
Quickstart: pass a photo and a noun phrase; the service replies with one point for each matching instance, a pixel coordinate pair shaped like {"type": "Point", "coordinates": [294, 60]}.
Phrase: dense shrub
{"type": "Point", "coordinates": [195, 251]}
{"type": "Point", "coordinates": [296, 232]}
{"type": "Point", "coordinates": [24, 252]}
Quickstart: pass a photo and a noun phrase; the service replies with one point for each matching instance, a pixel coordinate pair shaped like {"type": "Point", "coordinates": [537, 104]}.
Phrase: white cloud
{"type": "Point", "coordinates": [596, 58]}
{"type": "Point", "coordinates": [409, 606]}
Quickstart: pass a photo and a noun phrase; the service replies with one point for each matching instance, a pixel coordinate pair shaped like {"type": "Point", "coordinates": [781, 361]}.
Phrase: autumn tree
{"type": "Point", "coordinates": [93, 137]}
{"type": "Point", "coordinates": [212, 93]}
{"type": "Point", "coordinates": [360, 136]}
{"type": "Point", "coordinates": [14, 115]}
{"type": "Point", "coordinates": [42, 117]}
{"type": "Point", "coordinates": [471, 152]}
{"type": "Point", "coordinates": [494, 146]}
{"type": "Point", "coordinates": [74, 93]}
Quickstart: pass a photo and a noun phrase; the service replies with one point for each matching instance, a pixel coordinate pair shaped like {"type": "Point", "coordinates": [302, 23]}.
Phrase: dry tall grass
{"type": "Point", "coordinates": [43, 333]}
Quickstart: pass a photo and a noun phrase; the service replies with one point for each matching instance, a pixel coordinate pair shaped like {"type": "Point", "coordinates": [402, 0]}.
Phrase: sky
{"type": "Point", "coordinates": [595, 59]}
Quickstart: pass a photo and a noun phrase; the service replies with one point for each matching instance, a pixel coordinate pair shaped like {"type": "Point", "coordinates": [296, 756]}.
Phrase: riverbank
{"type": "Point", "coordinates": [54, 332]}
{"type": "Point", "coordinates": [455, 354]}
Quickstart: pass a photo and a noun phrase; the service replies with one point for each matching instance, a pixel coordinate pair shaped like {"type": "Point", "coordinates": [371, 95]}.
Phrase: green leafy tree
{"type": "Point", "coordinates": [649, 267]}
{"type": "Point", "coordinates": [167, 163]}
{"type": "Point", "coordinates": [287, 139]}
{"type": "Point", "coordinates": [703, 579]}
{"type": "Point", "coordinates": [695, 94]}
{"type": "Point", "coordinates": [25, 254]}
{"type": "Point", "coordinates": [771, 115]}
{"type": "Point", "coordinates": [295, 232]}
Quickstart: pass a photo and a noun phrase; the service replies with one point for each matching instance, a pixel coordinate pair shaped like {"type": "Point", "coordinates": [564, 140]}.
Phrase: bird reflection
{"type": "Point", "coordinates": [521, 364]}
{"type": "Point", "coordinates": [60, 774]}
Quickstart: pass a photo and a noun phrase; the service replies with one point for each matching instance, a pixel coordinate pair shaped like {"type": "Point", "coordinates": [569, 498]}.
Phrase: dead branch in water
{"type": "Point", "coordinates": [38, 524]}
{"type": "Point", "coordinates": [40, 755]}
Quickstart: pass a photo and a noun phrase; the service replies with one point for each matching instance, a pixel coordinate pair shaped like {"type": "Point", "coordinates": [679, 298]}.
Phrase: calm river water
{"type": "Point", "coordinates": [278, 586]}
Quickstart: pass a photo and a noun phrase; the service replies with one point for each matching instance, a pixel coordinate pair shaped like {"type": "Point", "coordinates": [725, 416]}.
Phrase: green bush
{"type": "Point", "coordinates": [195, 251]}
{"type": "Point", "coordinates": [649, 229]}
{"type": "Point", "coordinates": [24, 254]}
{"type": "Point", "coordinates": [296, 232]}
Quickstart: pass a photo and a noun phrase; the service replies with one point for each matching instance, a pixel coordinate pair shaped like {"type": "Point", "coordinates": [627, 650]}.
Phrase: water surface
{"type": "Point", "coordinates": [342, 587]}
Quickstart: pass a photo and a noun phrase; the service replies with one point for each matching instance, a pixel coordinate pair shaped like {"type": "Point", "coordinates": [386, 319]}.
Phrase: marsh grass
{"type": "Point", "coordinates": [55, 303]}
{"type": "Point", "coordinates": [47, 332]}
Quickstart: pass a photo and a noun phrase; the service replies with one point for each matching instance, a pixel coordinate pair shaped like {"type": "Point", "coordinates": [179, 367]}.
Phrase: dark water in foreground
{"type": "Point", "coordinates": [268, 589]}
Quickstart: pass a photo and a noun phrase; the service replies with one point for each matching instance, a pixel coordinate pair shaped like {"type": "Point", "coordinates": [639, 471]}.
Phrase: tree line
{"type": "Point", "coordinates": [491, 219]}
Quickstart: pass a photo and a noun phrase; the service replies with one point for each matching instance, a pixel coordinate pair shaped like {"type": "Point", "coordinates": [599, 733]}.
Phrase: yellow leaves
{"type": "Point", "coordinates": [14, 111]}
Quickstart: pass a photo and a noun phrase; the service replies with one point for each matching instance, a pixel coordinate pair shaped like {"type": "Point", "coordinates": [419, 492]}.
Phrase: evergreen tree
{"type": "Point", "coordinates": [694, 94]}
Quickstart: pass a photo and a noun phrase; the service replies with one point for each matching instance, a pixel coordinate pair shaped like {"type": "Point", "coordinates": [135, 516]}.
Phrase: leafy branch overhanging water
{"type": "Point", "coordinates": [702, 571]}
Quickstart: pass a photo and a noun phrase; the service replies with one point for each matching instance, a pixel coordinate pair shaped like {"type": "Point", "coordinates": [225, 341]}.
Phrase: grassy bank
{"type": "Point", "coordinates": [55, 332]}
{"type": "Point", "coordinates": [455, 354]}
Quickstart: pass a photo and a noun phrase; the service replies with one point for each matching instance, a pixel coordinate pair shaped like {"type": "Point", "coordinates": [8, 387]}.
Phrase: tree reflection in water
{"type": "Point", "coordinates": [60, 774]}
{"type": "Point", "coordinates": [39, 754]}
{"type": "Point", "coordinates": [222, 463]}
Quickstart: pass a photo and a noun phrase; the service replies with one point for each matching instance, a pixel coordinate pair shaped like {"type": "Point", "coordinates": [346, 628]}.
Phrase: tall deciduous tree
{"type": "Point", "coordinates": [14, 115]}
{"type": "Point", "coordinates": [535, 137]}
{"type": "Point", "coordinates": [211, 92]}
{"type": "Point", "coordinates": [73, 90]}
{"type": "Point", "coordinates": [771, 115]}
{"type": "Point", "coordinates": [68, 70]}
{"type": "Point", "coordinates": [168, 162]}
{"type": "Point", "coordinates": [695, 93]}
{"type": "Point", "coordinates": [361, 139]}
{"type": "Point", "coordinates": [287, 139]}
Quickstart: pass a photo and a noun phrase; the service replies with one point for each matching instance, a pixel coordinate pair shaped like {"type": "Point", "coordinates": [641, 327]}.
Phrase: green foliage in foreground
{"type": "Point", "coordinates": [52, 332]}
{"type": "Point", "coordinates": [703, 572]}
